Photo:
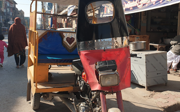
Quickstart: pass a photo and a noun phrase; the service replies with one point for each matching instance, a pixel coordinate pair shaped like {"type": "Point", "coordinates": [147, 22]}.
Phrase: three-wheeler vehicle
{"type": "Point", "coordinates": [97, 51]}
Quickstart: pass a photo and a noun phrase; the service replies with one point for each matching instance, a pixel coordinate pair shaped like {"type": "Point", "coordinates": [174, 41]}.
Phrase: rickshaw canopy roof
{"type": "Point", "coordinates": [62, 2]}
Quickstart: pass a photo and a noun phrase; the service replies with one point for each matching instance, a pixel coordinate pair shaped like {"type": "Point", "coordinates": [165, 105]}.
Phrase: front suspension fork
{"type": "Point", "coordinates": [103, 102]}
{"type": "Point", "coordinates": [119, 101]}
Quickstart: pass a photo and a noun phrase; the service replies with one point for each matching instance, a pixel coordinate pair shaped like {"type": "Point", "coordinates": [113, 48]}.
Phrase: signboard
{"type": "Point", "coordinates": [133, 6]}
{"type": "Point", "coordinates": [50, 5]}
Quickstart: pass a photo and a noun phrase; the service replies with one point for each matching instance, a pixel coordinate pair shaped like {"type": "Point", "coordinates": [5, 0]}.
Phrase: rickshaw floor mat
{"type": "Point", "coordinates": [63, 58]}
{"type": "Point", "coordinates": [59, 80]}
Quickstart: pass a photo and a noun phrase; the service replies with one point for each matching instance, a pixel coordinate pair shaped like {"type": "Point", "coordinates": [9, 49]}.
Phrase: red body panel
{"type": "Point", "coordinates": [122, 58]}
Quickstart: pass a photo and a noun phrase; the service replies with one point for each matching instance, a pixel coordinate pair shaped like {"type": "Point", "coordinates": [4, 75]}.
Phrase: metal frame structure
{"type": "Point", "coordinates": [38, 72]}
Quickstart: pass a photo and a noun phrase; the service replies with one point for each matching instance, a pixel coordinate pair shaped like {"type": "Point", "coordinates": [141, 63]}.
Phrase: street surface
{"type": "Point", "coordinates": [13, 84]}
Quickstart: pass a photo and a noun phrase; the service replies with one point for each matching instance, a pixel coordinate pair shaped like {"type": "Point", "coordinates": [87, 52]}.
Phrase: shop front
{"type": "Point", "coordinates": [155, 22]}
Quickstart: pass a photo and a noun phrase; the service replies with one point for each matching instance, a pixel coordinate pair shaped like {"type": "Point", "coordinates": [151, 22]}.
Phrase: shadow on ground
{"type": "Point", "coordinates": [172, 108]}
{"type": "Point", "coordinates": [57, 106]}
{"type": "Point", "coordinates": [171, 86]}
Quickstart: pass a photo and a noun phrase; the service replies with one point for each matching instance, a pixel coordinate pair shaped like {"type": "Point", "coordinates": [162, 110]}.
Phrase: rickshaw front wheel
{"type": "Point", "coordinates": [35, 101]}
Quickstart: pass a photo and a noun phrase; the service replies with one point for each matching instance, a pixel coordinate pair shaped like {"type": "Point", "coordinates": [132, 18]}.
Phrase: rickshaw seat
{"type": "Point", "coordinates": [52, 50]}
{"type": "Point", "coordinates": [63, 58]}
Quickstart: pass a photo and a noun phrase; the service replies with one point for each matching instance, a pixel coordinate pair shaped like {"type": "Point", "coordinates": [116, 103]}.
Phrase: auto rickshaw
{"type": "Point", "coordinates": [97, 51]}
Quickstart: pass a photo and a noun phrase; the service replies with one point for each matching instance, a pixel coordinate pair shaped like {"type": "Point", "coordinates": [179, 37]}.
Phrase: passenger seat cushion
{"type": "Point", "coordinates": [58, 43]}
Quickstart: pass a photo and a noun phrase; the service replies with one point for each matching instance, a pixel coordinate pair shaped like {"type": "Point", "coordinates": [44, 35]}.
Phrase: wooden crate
{"type": "Point", "coordinates": [133, 38]}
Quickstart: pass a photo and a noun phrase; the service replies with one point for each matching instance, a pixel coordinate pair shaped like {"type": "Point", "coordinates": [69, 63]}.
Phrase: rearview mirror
{"type": "Point", "coordinates": [100, 12]}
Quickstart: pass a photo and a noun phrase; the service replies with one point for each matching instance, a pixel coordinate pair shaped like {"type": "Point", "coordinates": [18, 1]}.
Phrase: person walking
{"type": "Point", "coordinates": [173, 56]}
{"type": "Point", "coordinates": [2, 45]}
{"type": "Point", "coordinates": [17, 41]}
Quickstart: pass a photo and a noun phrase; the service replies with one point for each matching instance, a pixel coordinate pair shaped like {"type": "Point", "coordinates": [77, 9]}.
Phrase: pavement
{"type": "Point", "coordinates": [13, 84]}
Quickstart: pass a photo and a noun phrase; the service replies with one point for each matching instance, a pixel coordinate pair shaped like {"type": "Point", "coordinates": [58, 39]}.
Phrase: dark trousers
{"type": "Point", "coordinates": [20, 56]}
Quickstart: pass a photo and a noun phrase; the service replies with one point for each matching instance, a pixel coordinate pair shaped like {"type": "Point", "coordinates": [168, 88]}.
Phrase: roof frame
{"type": "Point", "coordinates": [62, 2]}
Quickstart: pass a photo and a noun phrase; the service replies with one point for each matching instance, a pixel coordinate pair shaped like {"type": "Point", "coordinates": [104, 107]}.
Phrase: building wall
{"type": "Point", "coordinates": [159, 21]}
{"type": "Point", "coordinates": [9, 13]}
{"type": "Point", "coordinates": [27, 22]}
{"type": "Point", "coordinates": [8, 7]}
{"type": "Point", "coordinates": [20, 14]}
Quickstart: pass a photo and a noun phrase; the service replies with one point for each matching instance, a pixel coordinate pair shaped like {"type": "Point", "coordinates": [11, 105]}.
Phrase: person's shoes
{"type": "Point", "coordinates": [22, 65]}
{"type": "Point", "coordinates": [168, 72]}
{"type": "Point", "coordinates": [17, 66]}
{"type": "Point", "coordinates": [171, 69]}
{"type": "Point", "coordinates": [1, 65]}
{"type": "Point", "coordinates": [174, 70]}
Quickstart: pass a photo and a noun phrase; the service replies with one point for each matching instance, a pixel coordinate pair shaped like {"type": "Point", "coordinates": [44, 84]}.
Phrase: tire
{"type": "Point", "coordinates": [35, 101]}
{"type": "Point", "coordinates": [114, 110]}
{"type": "Point", "coordinates": [28, 90]}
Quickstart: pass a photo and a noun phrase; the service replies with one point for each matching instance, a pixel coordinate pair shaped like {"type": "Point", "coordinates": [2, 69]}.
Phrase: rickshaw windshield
{"type": "Point", "coordinates": [98, 24]}
{"type": "Point", "coordinates": [101, 26]}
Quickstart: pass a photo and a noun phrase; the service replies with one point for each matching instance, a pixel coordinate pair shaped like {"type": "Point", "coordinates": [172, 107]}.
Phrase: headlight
{"type": "Point", "coordinates": [108, 78]}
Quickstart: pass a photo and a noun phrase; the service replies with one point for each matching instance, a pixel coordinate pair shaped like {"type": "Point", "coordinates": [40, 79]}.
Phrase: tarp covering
{"type": "Point", "coordinates": [133, 6]}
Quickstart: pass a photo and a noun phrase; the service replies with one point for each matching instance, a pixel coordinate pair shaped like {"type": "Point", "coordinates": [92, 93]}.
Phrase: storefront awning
{"type": "Point", "coordinates": [134, 6]}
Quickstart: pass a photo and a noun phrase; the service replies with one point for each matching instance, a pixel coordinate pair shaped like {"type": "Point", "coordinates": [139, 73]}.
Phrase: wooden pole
{"type": "Point", "coordinates": [42, 16]}
{"type": "Point", "coordinates": [143, 23]}
{"type": "Point", "coordinates": [31, 5]}
{"type": "Point", "coordinates": [35, 15]}
{"type": "Point", "coordinates": [178, 26]}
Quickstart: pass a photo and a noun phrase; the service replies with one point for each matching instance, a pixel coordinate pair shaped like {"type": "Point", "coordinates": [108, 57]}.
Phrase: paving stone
{"type": "Point", "coordinates": [172, 101]}
{"type": "Point", "coordinates": [164, 96]}
{"type": "Point", "coordinates": [171, 97]}
{"type": "Point", "coordinates": [177, 95]}
{"type": "Point", "coordinates": [160, 104]}
{"type": "Point", "coordinates": [174, 93]}
{"type": "Point", "coordinates": [165, 93]}
{"type": "Point", "coordinates": [156, 96]}
{"type": "Point", "coordinates": [162, 100]}
{"type": "Point", "coordinates": [178, 100]}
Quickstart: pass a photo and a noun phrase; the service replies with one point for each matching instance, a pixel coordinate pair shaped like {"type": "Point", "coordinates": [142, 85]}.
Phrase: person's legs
{"type": "Point", "coordinates": [170, 58]}
{"type": "Point", "coordinates": [22, 59]}
{"type": "Point", "coordinates": [2, 57]}
{"type": "Point", "coordinates": [175, 62]}
{"type": "Point", "coordinates": [16, 59]}
{"type": "Point", "coordinates": [168, 65]}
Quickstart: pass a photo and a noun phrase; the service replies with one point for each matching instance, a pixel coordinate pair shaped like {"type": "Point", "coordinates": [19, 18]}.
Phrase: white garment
{"type": "Point", "coordinates": [172, 58]}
